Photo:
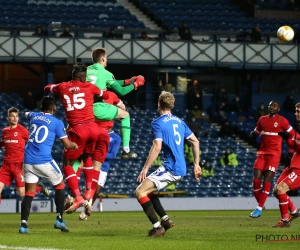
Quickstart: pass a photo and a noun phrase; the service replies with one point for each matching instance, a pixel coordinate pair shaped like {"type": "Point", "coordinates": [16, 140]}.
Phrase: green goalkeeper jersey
{"type": "Point", "coordinates": [104, 79]}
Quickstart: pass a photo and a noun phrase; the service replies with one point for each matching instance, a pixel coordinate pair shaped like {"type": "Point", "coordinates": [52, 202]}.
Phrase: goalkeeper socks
{"type": "Point", "coordinates": [125, 131]}
{"type": "Point", "coordinates": [88, 172]}
{"type": "Point", "coordinates": [59, 202]}
{"type": "Point", "coordinates": [157, 205]}
{"type": "Point", "coordinates": [71, 179]}
{"type": "Point", "coordinates": [264, 194]}
{"type": "Point", "coordinates": [149, 209]}
{"type": "Point", "coordinates": [256, 189]}
{"type": "Point", "coordinates": [283, 205]}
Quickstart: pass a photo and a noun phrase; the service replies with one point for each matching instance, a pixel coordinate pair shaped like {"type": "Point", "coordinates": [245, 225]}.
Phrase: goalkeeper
{"type": "Point", "coordinates": [103, 79]}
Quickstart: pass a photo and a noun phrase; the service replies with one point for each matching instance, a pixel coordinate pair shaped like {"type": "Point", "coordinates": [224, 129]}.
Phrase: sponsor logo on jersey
{"type": "Point", "coordinates": [275, 124]}
{"type": "Point", "coordinates": [11, 141]}
{"type": "Point", "coordinates": [74, 89]}
{"type": "Point", "coordinates": [16, 133]}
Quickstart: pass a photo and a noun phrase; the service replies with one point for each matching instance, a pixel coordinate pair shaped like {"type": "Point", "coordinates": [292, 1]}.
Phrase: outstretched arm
{"type": "Point", "coordinates": [120, 89]}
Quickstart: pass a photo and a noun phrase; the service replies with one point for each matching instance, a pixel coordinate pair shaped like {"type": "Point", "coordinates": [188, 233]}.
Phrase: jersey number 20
{"type": "Point", "coordinates": [34, 135]}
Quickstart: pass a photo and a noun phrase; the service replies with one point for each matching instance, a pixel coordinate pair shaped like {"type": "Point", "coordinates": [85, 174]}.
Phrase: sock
{"type": "Point", "coordinates": [38, 189]}
{"type": "Point", "coordinates": [157, 205]}
{"type": "Point", "coordinates": [283, 205]}
{"type": "Point", "coordinates": [125, 131]}
{"type": "Point", "coordinates": [59, 202]}
{"type": "Point", "coordinates": [71, 179]}
{"type": "Point", "coordinates": [256, 189]}
{"type": "Point", "coordinates": [25, 208]}
{"type": "Point", "coordinates": [78, 173]}
{"type": "Point", "coordinates": [264, 194]}
{"type": "Point", "coordinates": [95, 178]}
{"type": "Point", "coordinates": [148, 209]}
{"type": "Point", "coordinates": [126, 149]}
{"type": "Point", "coordinates": [88, 172]}
{"type": "Point", "coordinates": [24, 223]}
{"type": "Point", "coordinates": [291, 206]}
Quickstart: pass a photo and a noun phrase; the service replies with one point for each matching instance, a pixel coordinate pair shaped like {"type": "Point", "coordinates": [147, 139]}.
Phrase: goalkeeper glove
{"type": "Point", "coordinates": [130, 81]}
{"type": "Point", "coordinates": [140, 81]}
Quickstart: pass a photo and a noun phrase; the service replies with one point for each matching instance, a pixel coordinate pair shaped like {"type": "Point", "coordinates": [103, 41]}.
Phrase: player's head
{"type": "Point", "coordinates": [79, 72]}
{"type": "Point", "coordinates": [99, 55]}
{"type": "Point", "coordinates": [297, 115]}
{"type": "Point", "coordinates": [166, 101]}
{"type": "Point", "coordinates": [274, 108]}
{"type": "Point", "coordinates": [48, 105]}
{"type": "Point", "coordinates": [13, 116]}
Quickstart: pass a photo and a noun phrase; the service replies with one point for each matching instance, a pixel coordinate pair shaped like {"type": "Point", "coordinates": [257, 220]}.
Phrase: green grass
{"type": "Point", "coordinates": [128, 230]}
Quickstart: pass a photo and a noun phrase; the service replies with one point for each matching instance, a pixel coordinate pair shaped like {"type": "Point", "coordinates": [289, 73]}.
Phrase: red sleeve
{"type": "Point", "coordinates": [116, 99]}
{"type": "Point", "coordinates": [288, 128]}
{"type": "Point", "coordinates": [51, 88]}
{"type": "Point", "coordinates": [26, 133]}
{"type": "Point", "coordinates": [291, 144]}
{"type": "Point", "coordinates": [95, 90]}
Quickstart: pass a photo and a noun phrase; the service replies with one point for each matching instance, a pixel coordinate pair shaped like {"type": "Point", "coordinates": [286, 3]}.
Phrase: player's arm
{"type": "Point", "coordinates": [123, 87]}
{"type": "Point", "coordinates": [116, 87]}
{"type": "Point", "coordinates": [98, 92]}
{"type": "Point", "coordinates": [51, 88]}
{"type": "Point", "coordinates": [68, 144]}
{"type": "Point", "coordinates": [114, 148]}
{"type": "Point", "coordinates": [195, 145]}
{"type": "Point", "coordinates": [154, 152]}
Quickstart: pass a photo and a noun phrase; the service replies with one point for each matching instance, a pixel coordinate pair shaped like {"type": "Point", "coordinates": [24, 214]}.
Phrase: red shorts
{"type": "Point", "coordinates": [10, 172]}
{"type": "Point", "coordinates": [85, 136]}
{"type": "Point", "coordinates": [101, 147]}
{"type": "Point", "coordinates": [266, 162]}
{"type": "Point", "coordinates": [291, 176]}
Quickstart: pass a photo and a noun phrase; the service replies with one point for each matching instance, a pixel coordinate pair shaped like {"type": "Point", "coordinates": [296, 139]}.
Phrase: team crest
{"type": "Point", "coordinates": [16, 133]}
{"type": "Point", "coordinates": [275, 124]}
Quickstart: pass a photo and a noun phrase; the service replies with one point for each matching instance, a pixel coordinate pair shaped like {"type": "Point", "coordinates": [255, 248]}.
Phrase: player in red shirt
{"type": "Point", "coordinates": [289, 179]}
{"type": "Point", "coordinates": [77, 97]}
{"type": "Point", "coordinates": [269, 127]}
{"type": "Point", "coordinates": [14, 138]}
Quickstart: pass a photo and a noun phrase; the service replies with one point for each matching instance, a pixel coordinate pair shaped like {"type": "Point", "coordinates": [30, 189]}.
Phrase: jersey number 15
{"type": "Point", "coordinates": [78, 101]}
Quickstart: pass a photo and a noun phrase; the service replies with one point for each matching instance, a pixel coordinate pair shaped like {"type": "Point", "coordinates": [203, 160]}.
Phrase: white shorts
{"type": "Point", "coordinates": [162, 178]}
{"type": "Point", "coordinates": [102, 178]}
{"type": "Point", "coordinates": [49, 171]}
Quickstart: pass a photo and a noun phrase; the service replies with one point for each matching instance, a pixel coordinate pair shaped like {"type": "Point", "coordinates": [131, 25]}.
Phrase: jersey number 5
{"type": "Point", "coordinates": [176, 133]}
{"type": "Point", "coordinates": [78, 101]}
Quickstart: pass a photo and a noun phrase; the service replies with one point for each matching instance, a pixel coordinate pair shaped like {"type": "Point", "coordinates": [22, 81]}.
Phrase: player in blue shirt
{"type": "Point", "coordinates": [169, 134]}
{"type": "Point", "coordinates": [38, 161]}
{"type": "Point", "coordinates": [114, 145]}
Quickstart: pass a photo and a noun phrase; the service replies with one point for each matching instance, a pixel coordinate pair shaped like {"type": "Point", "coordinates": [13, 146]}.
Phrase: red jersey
{"type": "Point", "coordinates": [295, 161]}
{"type": "Point", "coordinates": [113, 100]}
{"type": "Point", "coordinates": [14, 139]}
{"type": "Point", "coordinates": [77, 99]}
{"type": "Point", "coordinates": [268, 127]}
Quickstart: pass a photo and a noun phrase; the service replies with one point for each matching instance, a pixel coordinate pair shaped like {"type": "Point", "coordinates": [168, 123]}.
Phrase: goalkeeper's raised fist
{"type": "Point", "coordinates": [140, 81]}
{"type": "Point", "coordinates": [130, 81]}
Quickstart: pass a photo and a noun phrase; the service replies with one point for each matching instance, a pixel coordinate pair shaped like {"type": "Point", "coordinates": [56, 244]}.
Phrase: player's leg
{"type": "Point", "coordinates": [141, 193]}
{"type": "Point", "coordinates": [2, 185]}
{"type": "Point", "coordinates": [59, 202]}
{"type": "Point", "coordinates": [31, 181]}
{"type": "Point", "coordinates": [280, 191]}
{"type": "Point", "coordinates": [258, 168]}
{"type": "Point", "coordinates": [5, 176]}
{"type": "Point", "coordinates": [105, 111]}
{"type": "Point", "coordinates": [43, 189]}
{"type": "Point", "coordinates": [17, 175]}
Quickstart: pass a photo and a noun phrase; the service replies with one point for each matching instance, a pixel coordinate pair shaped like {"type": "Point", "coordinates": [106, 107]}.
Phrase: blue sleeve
{"type": "Point", "coordinates": [114, 147]}
{"type": "Point", "coordinates": [187, 131]}
{"type": "Point", "coordinates": [60, 129]}
{"type": "Point", "coordinates": [156, 129]}
{"type": "Point", "coordinates": [29, 115]}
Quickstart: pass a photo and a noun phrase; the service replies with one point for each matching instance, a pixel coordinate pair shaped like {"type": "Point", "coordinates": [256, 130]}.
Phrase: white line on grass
{"type": "Point", "coordinates": [26, 248]}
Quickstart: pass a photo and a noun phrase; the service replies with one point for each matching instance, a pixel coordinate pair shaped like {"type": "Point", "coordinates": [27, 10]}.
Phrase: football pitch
{"type": "Point", "coordinates": [128, 230]}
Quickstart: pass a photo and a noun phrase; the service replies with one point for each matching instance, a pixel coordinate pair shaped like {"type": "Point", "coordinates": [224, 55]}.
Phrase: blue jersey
{"type": "Point", "coordinates": [44, 127]}
{"type": "Point", "coordinates": [172, 131]}
{"type": "Point", "coordinates": [114, 145]}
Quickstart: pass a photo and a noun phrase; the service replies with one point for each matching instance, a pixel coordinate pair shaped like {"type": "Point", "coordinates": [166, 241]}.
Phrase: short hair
{"type": "Point", "coordinates": [12, 110]}
{"type": "Point", "coordinates": [98, 53]}
{"type": "Point", "coordinates": [297, 105]}
{"type": "Point", "coordinates": [166, 100]}
{"type": "Point", "coordinates": [47, 103]}
{"type": "Point", "coordinates": [77, 69]}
